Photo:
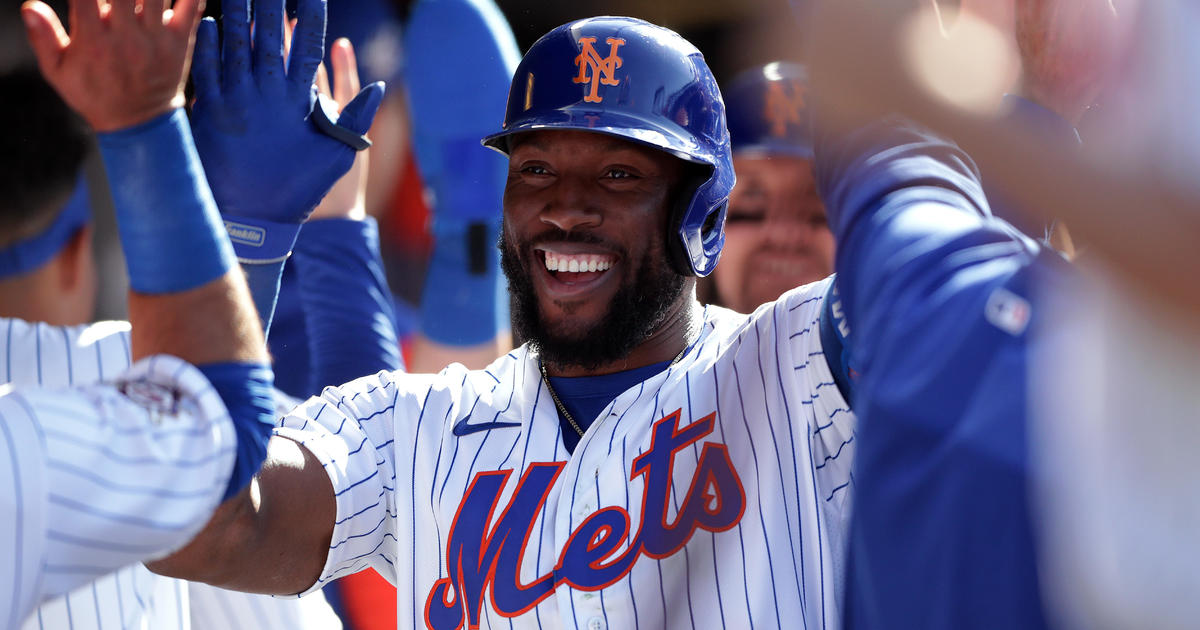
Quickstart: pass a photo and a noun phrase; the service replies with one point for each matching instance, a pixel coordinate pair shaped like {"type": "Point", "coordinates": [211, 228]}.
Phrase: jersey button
{"type": "Point", "coordinates": [596, 623]}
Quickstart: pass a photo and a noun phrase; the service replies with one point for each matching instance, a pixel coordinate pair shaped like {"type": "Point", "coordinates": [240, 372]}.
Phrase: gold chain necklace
{"type": "Point", "coordinates": [563, 409]}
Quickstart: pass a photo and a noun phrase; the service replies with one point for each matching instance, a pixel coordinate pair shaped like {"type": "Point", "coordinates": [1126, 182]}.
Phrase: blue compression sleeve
{"type": "Point", "coordinates": [245, 388]}
{"type": "Point", "coordinates": [288, 342]}
{"type": "Point", "coordinates": [263, 280]}
{"type": "Point", "coordinates": [166, 217]}
{"type": "Point", "coordinates": [347, 304]}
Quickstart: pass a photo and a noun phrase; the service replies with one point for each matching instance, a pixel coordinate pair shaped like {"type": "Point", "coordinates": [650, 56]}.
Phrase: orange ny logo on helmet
{"type": "Point", "coordinates": [783, 106]}
{"type": "Point", "coordinates": [595, 69]}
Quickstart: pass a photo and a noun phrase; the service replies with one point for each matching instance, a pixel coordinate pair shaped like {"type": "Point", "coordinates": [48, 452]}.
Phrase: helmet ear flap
{"type": "Point", "coordinates": [695, 176]}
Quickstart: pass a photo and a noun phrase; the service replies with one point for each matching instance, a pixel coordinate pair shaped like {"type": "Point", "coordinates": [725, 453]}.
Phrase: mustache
{"type": "Point", "coordinates": [558, 235]}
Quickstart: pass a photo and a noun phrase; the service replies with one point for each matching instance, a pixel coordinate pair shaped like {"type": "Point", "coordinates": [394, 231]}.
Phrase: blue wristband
{"type": "Point", "coordinates": [166, 217]}
{"type": "Point", "coordinates": [465, 301]}
{"type": "Point", "coordinates": [246, 390]}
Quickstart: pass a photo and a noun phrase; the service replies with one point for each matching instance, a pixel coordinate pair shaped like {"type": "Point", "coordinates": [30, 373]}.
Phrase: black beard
{"type": "Point", "coordinates": [636, 311]}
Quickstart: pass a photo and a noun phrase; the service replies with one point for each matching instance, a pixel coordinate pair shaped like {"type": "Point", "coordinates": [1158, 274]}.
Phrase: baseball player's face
{"type": "Point", "coordinates": [776, 237]}
{"type": "Point", "coordinates": [584, 241]}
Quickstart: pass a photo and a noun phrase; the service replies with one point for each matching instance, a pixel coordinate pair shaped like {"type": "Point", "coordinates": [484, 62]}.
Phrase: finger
{"type": "Point", "coordinates": [46, 35]}
{"type": "Point", "coordinates": [345, 72]}
{"type": "Point", "coordinates": [268, 38]}
{"type": "Point", "coordinates": [289, 25]}
{"type": "Point", "coordinates": [152, 12]}
{"type": "Point", "coordinates": [323, 82]}
{"type": "Point", "coordinates": [185, 16]}
{"type": "Point", "coordinates": [359, 113]}
{"type": "Point", "coordinates": [121, 12]}
{"type": "Point", "coordinates": [235, 45]}
{"type": "Point", "coordinates": [206, 65]}
{"type": "Point", "coordinates": [83, 15]}
{"type": "Point", "coordinates": [308, 43]}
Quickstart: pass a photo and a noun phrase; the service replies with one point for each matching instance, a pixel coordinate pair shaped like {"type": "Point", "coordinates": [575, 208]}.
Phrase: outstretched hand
{"type": "Point", "coordinates": [266, 159]}
{"type": "Point", "coordinates": [119, 66]}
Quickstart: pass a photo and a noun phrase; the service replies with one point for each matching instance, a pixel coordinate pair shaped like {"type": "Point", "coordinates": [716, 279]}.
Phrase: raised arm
{"type": "Point", "coordinates": [274, 536]}
{"type": "Point", "coordinates": [464, 307]}
{"type": "Point", "coordinates": [340, 323]}
{"type": "Point", "coordinates": [271, 147]}
{"type": "Point", "coordinates": [123, 71]}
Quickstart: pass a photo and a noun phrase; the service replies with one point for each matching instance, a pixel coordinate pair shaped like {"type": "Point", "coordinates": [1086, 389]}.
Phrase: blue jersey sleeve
{"type": "Point", "coordinates": [335, 319]}
{"type": "Point", "coordinates": [940, 297]}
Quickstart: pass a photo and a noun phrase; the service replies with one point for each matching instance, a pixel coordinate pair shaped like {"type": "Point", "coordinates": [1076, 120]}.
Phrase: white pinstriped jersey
{"type": "Point", "coordinates": [714, 494]}
{"type": "Point", "coordinates": [133, 597]}
{"type": "Point", "coordinates": [83, 470]}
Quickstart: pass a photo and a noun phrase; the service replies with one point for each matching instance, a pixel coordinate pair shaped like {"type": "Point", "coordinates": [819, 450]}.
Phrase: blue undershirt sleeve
{"type": "Point", "coordinates": [348, 309]}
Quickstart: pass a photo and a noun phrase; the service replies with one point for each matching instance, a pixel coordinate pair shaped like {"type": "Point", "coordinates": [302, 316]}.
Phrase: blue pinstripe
{"type": "Point", "coordinates": [795, 469]}
{"type": "Point", "coordinates": [19, 495]}
{"type": "Point", "coordinates": [37, 338]}
{"type": "Point", "coordinates": [67, 347]}
{"type": "Point", "coordinates": [737, 379]}
{"type": "Point", "coordinates": [799, 574]}
{"type": "Point", "coordinates": [454, 455]}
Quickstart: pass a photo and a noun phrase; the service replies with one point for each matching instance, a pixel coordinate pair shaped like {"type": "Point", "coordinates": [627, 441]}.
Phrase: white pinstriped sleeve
{"type": "Point", "coordinates": [129, 471]}
{"type": "Point", "coordinates": [351, 431]}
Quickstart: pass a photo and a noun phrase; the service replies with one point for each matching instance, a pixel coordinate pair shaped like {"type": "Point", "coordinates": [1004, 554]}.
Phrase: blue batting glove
{"type": "Point", "coordinates": [270, 149]}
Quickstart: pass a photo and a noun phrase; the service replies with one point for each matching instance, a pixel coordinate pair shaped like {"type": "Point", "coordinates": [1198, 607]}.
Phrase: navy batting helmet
{"type": "Point", "coordinates": [767, 110]}
{"type": "Point", "coordinates": [628, 78]}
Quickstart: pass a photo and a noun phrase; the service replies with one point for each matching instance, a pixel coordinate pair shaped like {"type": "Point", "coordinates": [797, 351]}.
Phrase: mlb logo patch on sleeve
{"type": "Point", "coordinates": [1008, 311]}
{"type": "Point", "coordinates": [158, 399]}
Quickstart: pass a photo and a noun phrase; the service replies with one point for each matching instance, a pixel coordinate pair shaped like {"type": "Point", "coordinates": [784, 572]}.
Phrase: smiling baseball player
{"type": "Point", "coordinates": [642, 461]}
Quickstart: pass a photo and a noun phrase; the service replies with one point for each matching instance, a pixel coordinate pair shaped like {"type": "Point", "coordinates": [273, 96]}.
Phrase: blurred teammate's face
{"type": "Point", "coordinates": [583, 244]}
{"type": "Point", "coordinates": [776, 237]}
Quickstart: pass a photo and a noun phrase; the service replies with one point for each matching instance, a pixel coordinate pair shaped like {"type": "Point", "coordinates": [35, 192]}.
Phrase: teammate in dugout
{"type": "Point", "coordinates": [642, 460]}
{"type": "Point", "coordinates": [58, 273]}
{"type": "Point", "coordinates": [776, 236]}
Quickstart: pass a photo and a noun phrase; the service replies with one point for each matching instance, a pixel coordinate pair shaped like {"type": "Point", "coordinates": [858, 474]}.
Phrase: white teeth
{"type": "Point", "coordinates": [579, 264]}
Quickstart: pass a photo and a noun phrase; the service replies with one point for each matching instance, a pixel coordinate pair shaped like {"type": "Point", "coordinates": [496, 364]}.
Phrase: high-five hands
{"type": "Point", "coordinates": [255, 121]}
{"type": "Point", "coordinates": [119, 66]}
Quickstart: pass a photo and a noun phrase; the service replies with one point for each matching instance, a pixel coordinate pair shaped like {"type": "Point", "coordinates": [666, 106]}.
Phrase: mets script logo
{"type": "Point", "coordinates": [784, 106]}
{"type": "Point", "coordinates": [593, 68]}
{"type": "Point", "coordinates": [479, 558]}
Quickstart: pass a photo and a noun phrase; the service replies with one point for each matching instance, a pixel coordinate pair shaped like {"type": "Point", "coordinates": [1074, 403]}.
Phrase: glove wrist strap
{"type": "Point", "coordinates": [259, 241]}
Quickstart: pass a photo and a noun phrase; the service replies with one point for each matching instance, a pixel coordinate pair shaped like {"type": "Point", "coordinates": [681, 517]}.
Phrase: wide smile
{"type": "Point", "coordinates": [570, 270]}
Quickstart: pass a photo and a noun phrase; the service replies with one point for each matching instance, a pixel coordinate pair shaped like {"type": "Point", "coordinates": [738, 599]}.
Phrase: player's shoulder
{"type": "Point", "coordinates": [802, 303]}
{"type": "Point", "coordinates": [14, 330]}
{"type": "Point", "coordinates": [397, 389]}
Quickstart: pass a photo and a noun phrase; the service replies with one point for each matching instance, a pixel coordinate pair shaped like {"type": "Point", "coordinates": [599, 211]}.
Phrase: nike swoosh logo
{"type": "Point", "coordinates": [461, 427]}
